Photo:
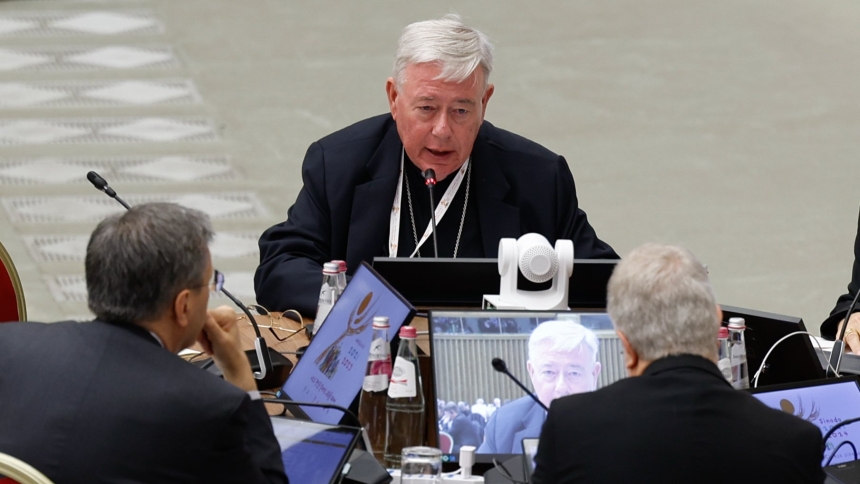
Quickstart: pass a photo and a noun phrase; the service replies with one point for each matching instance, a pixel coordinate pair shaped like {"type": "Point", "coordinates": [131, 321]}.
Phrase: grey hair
{"type": "Point", "coordinates": [564, 336]}
{"type": "Point", "coordinates": [138, 261]}
{"type": "Point", "coordinates": [660, 297]}
{"type": "Point", "coordinates": [450, 43]}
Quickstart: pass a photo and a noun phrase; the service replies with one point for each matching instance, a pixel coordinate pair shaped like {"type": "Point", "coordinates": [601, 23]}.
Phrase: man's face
{"type": "Point", "coordinates": [555, 374]}
{"type": "Point", "coordinates": [438, 120]}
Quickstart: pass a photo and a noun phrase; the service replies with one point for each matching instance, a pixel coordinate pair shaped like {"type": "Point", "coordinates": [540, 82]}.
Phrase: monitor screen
{"type": "Point", "coordinates": [552, 353]}
{"type": "Point", "coordinates": [824, 404]}
{"type": "Point", "coordinates": [312, 452]}
{"type": "Point", "coordinates": [332, 368]}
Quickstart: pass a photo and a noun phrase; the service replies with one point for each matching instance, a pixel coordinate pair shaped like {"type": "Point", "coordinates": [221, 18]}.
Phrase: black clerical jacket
{"type": "Point", "coordinates": [350, 177]}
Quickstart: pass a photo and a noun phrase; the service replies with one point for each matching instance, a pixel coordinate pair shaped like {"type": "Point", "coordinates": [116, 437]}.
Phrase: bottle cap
{"type": "Point", "coordinates": [724, 332]}
{"type": "Point", "coordinates": [408, 332]}
{"type": "Point", "coordinates": [329, 268]}
{"type": "Point", "coordinates": [380, 322]}
{"type": "Point", "coordinates": [737, 323]}
{"type": "Point", "coordinates": [341, 265]}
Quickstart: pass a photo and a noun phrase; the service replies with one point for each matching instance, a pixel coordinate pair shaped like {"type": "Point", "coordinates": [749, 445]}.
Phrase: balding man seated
{"type": "Point", "coordinates": [675, 419]}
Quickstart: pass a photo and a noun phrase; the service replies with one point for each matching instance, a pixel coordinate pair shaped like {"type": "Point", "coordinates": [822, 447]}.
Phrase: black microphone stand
{"type": "Point", "coordinates": [502, 367]}
{"type": "Point", "coordinates": [839, 345]}
{"type": "Point", "coordinates": [430, 181]}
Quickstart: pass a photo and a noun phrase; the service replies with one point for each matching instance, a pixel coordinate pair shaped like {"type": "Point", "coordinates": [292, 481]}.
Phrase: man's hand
{"type": "Point", "coordinates": [220, 338]}
{"type": "Point", "coordinates": [852, 334]}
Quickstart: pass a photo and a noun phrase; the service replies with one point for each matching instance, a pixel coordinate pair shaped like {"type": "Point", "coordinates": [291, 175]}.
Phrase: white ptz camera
{"type": "Point", "coordinates": [532, 255]}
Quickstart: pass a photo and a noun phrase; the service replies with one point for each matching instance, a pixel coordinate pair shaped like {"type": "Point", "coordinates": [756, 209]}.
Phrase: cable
{"type": "Point", "coordinates": [851, 444]}
{"type": "Point", "coordinates": [833, 429]}
{"type": "Point", "coordinates": [761, 367]}
{"type": "Point", "coordinates": [505, 473]}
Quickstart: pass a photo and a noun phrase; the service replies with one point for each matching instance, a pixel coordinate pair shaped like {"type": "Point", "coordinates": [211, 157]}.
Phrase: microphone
{"type": "Point", "coordinates": [263, 356]}
{"type": "Point", "coordinates": [500, 366]}
{"type": "Point", "coordinates": [839, 345]}
{"type": "Point", "coordinates": [102, 185]}
{"type": "Point", "coordinates": [294, 403]}
{"type": "Point", "coordinates": [430, 181]}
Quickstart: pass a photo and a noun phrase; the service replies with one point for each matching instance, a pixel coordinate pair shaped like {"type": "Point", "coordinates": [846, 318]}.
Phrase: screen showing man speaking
{"type": "Point", "coordinates": [553, 353]}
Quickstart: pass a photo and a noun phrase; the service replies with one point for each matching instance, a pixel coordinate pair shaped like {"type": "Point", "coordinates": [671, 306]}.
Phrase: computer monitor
{"type": "Point", "coordinates": [332, 367]}
{"type": "Point", "coordinates": [464, 282]}
{"type": "Point", "coordinates": [314, 452]}
{"type": "Point", "coordinates": [793, 360]}
{"type": "Point", "coordinates": [492, 412]}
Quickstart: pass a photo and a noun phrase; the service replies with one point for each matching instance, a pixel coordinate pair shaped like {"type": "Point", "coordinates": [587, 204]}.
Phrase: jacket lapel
{"type": "Point", "coordinates": [372, 200]}
{"type": "Point", "coordinates": [532, 424]}
{"type": "Point", "coordinates": [497, 218]}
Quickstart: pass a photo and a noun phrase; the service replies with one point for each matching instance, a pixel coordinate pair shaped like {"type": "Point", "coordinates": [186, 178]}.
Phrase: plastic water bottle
{"type": "Point", "coordinates": [328, 294]}
{"type": "Point", "coordinates": [405, 403]}
{"type": "Point", "coordinates": [724, 362]}
{"type": "Point", "coordinates": [374, 389]}
{"type": "Point", "coordinates": [738, 354]}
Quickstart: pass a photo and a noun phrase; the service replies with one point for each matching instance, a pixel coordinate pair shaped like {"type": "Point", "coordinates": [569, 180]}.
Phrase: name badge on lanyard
{"type": "Point", "coordinates": [441, 208]}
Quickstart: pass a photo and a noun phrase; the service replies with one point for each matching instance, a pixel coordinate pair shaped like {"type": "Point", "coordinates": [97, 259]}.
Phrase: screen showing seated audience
{"type": "Point", "coordinates": [553, 353]}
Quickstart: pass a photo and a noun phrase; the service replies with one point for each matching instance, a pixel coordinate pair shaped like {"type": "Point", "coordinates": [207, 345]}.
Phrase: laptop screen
{"type": "Point", "coordinates": [332, 368]}
{"type": "Point", "coordinates": [313, 452]}
{"type": "Point", "coordinates": [823, 403]}
{"type": "Point", "coordinates": [552, 353]}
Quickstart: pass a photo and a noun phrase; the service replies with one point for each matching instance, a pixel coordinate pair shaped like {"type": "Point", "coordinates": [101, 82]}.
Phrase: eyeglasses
{"type": "Point", "coordinates": [217, 282]}
{"type": "Point", "coordinates": [278, 323]}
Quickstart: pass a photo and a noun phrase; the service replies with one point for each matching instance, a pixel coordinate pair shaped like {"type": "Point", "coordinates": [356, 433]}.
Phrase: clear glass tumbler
{"type": "Point", "coordinates": [421, 465]}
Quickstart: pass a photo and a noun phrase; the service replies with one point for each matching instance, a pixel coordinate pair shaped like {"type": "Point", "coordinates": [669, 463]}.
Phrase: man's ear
{"type": "Point", "coordinates": [631, 358]}
{"type": "Point", "coordinates": [391, 93]}
{"type": "Point", "coordinates": [488, 93]}
{"type": "Point", "coordinates": [180, 307]}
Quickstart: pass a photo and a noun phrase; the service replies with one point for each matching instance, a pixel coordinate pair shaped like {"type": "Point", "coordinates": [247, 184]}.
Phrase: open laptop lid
{"type": "Point", "coordinates": [792, 361]}
{"type": "Point", "coordinates": [314, 452]}
{"type": "Point", "coordinates": [823, 403]}
{"type": "Point", "coordinates": [332, 368]}
{"type": "Point", "coordinates": [441, 282]}
{"type": "Point", "coordinates": [530, 448]}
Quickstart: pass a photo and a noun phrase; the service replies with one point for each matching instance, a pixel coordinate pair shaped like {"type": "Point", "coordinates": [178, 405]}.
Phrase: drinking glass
{"type": "Point", "coordinates": [421, 465]}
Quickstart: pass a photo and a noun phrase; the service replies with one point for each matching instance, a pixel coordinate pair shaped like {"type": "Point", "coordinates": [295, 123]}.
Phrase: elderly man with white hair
{"type": "Point", "coordinates": [562, 361]}
{"type": "Point", "coordinates": [676, 419]}
{"type": "Point", "coordinates": [364, 194]}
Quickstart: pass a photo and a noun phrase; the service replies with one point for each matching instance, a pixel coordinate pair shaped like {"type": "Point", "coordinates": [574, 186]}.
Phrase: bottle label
{"type": "Point", "coordinates": [403, 380]}
{"type": "Point", "coordinates": [378, 350]}
{"type": "Point", "coordinates": [375, 383]}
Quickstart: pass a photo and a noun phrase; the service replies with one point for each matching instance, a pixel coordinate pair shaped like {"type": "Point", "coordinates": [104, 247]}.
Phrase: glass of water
{"type": "Point", "coordinates": [421, 465]}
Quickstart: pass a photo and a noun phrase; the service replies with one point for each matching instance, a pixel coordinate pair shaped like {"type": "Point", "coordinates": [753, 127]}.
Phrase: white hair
{"type": "Point", "coordinates": [563, 336]}
{"type": "Point", "coordinates": [458, 49]}
{"type": "Point", "coordinates": [660, 297]}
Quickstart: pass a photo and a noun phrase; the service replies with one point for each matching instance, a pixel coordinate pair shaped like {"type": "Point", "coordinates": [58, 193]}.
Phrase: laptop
{"type": "Point", "coordinates": [530, 448]}
{"type": "Point", "coordinates": [332, 367]}
{"type": "Point", "coordinates": [822, 403]}
{"type": "Point", "coordinates": [463, 282]}
{"type": "Point", "coordinates": [314, 453]}
{"type": "Point", "coordinates": [794, 360]}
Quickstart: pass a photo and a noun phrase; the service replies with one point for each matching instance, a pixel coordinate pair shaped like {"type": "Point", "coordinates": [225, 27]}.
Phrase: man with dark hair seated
{"type": "Point", "coordinates": [109, 400]}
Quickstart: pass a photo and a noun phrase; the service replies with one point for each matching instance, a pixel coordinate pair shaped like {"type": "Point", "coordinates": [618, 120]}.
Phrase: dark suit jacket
{"type": "Point", "coordinates": [510, 424]}
{"type": "Point", "coordinates": [94, 402]}
{"type": "Point", "coordinates": [678, 422]}
{"type": "Point", "coordinates": [342, 211]}
{"type": "Point", "coordinates": [828, 327]}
